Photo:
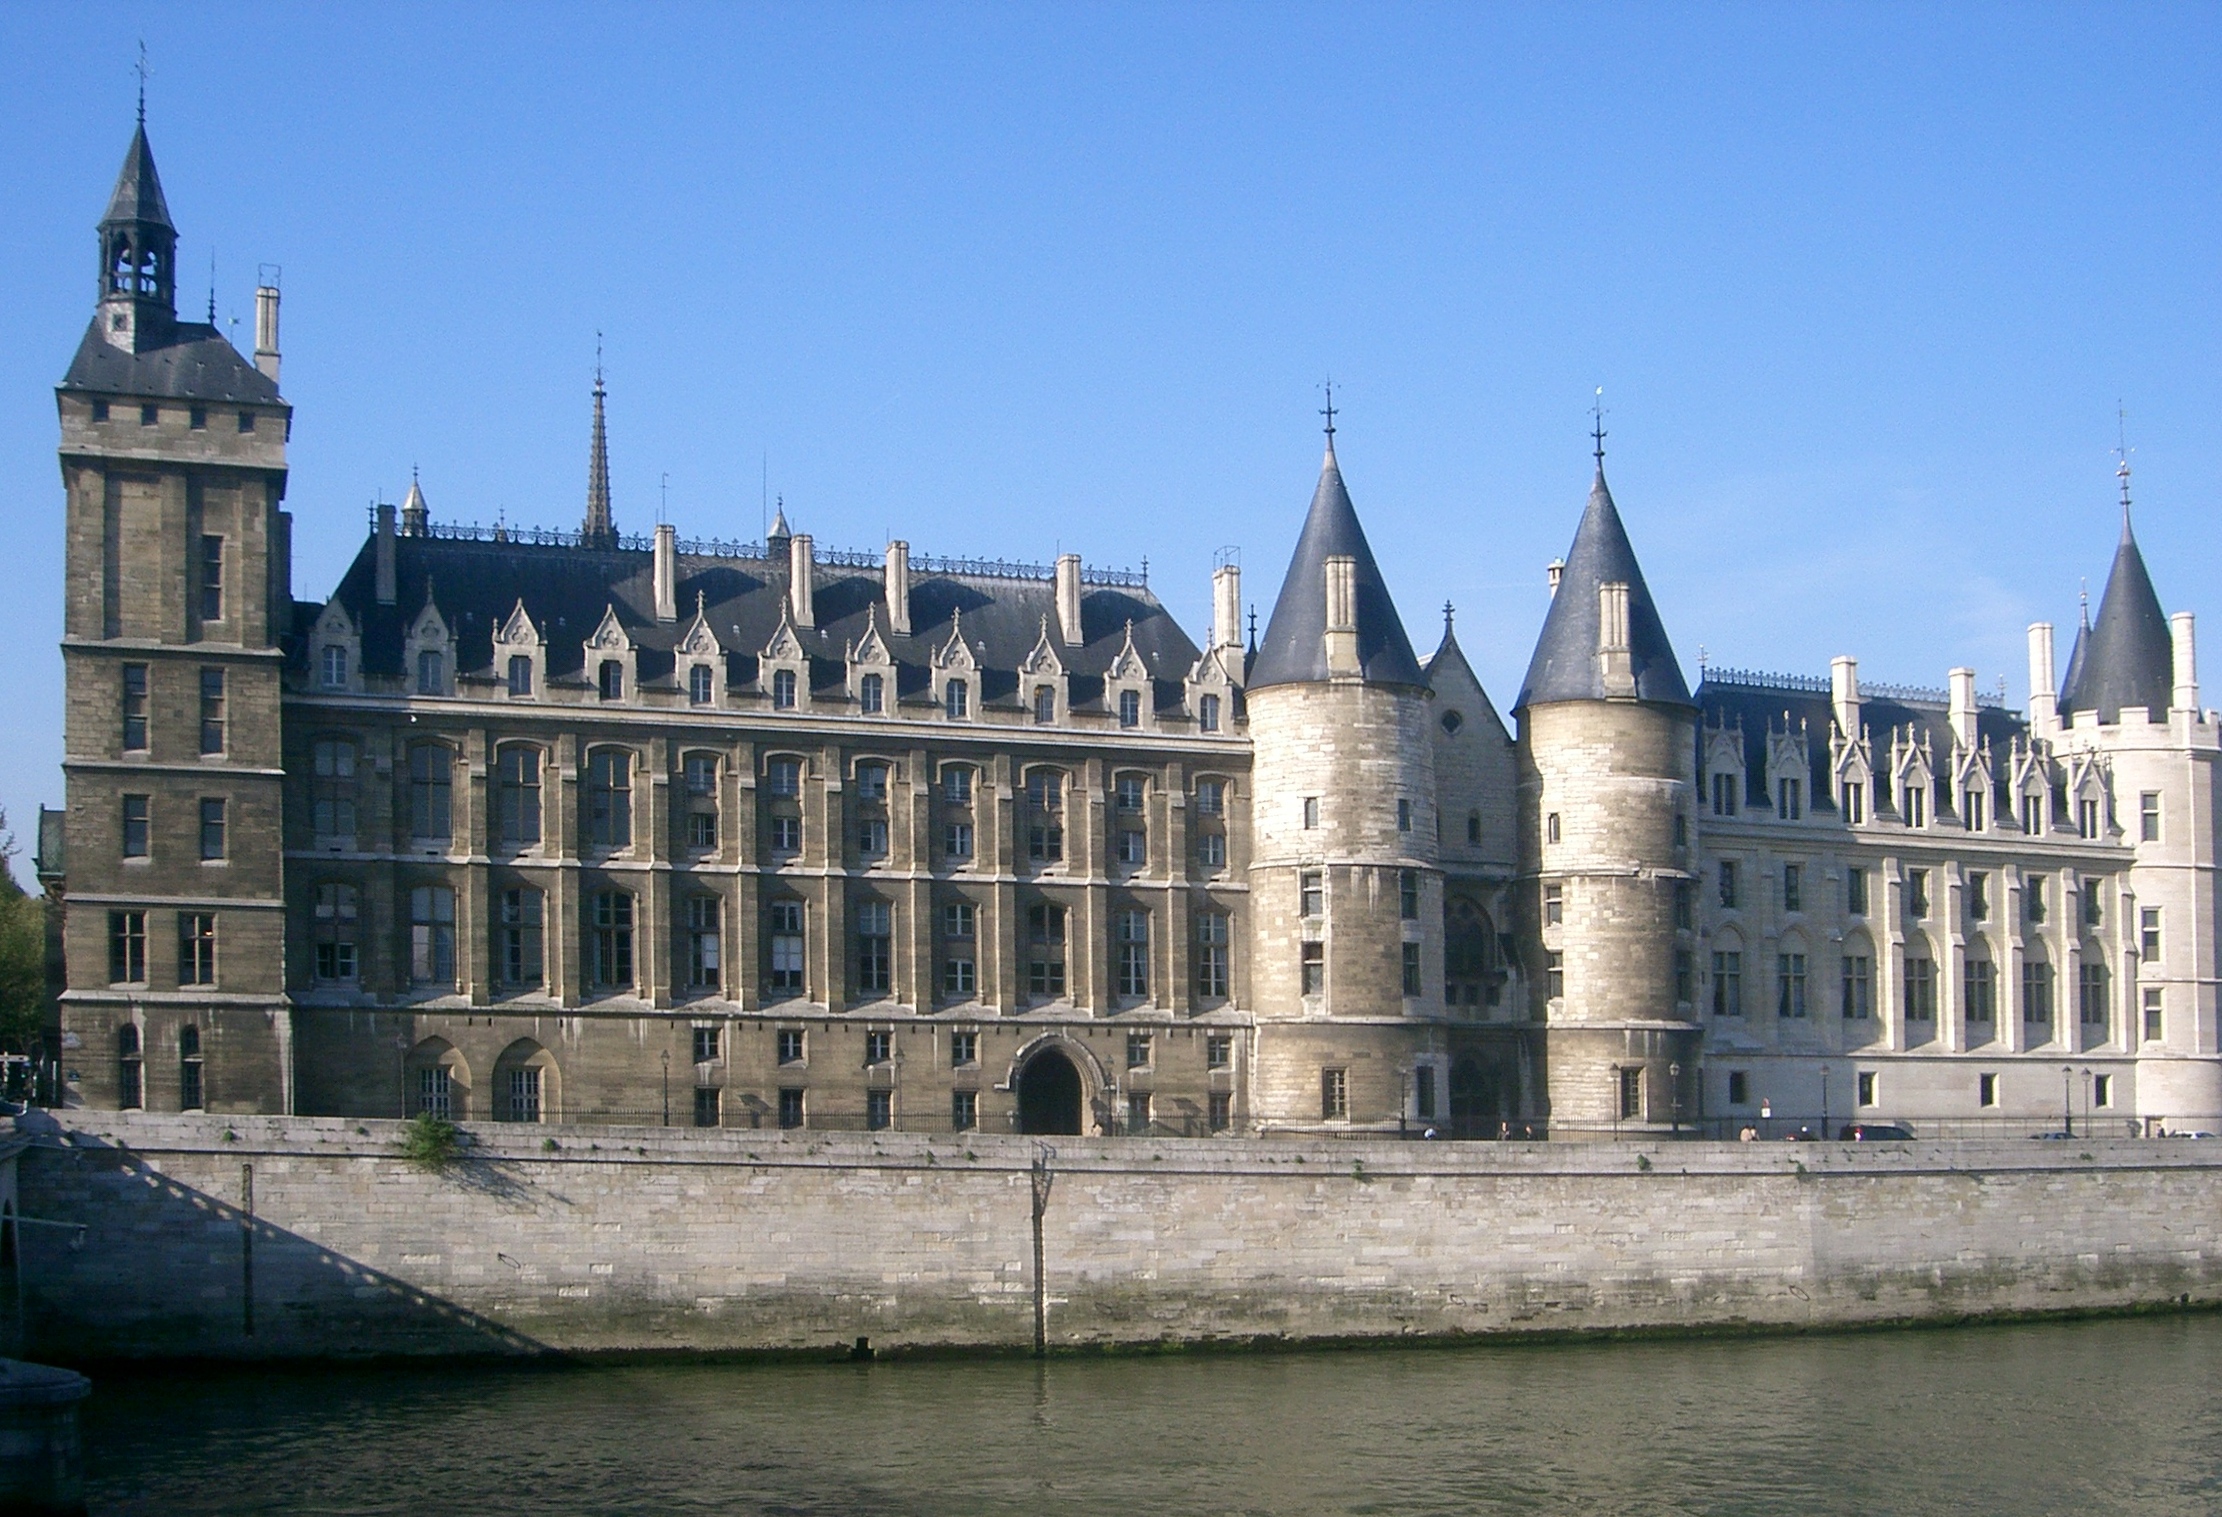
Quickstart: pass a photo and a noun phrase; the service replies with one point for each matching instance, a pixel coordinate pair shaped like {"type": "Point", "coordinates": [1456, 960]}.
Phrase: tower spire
{"type": "Point", "coordinates": [1328, 411]}
{"type": "Point", "coordinates": [1597, 427]}
{"type": "Point", "coordinates": [599, 531]}
{"type": "Point", "coordinates": [2121, 460]}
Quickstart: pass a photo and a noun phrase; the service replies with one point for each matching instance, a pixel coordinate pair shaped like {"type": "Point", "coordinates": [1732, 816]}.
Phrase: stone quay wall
{"type": "Point", "coordinates": [269, 1237]}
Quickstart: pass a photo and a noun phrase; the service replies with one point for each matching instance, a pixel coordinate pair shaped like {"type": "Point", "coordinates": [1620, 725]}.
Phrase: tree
{"type": "Point", "coordinates": [22, 954]}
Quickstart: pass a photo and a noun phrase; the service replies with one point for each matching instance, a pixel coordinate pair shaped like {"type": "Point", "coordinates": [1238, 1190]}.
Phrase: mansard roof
{"type": "Point", "coordinates": [1565, 666]}
{"type": "Point", "coordinates": [138, 194]}
{"type": "Point", "coordinates": [566, 591]}
{"type": "Point", "coordinates": [2128, 659]}
{"type": "Point", "coordinates": [1295, 646]}
{"type": "Point", "coordinates": [193, 361]}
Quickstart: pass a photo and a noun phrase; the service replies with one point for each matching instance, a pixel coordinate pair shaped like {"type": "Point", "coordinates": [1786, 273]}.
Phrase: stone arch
{"type": "Point", "coordinates": [1471, 973]}
{"type": "Point", "coordinates": [437, 1081]}
{"type": "Point", "coordinates": [1088, 1080]}
{"type": "Point", "coordinates": [528, 1084]}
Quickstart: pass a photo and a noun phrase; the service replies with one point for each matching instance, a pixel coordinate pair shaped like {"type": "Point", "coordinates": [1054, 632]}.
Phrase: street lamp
{"type": "Point", "coordinates": [2086, 1073]}
{"type": "Point", "coordinates": [2067, 1099]}
{"type": "Point", "coordinates": [667, 1087]}
{"type": "Point", "coordinates": [1824, 1100]}
{"type": "Point", "coordinates": [1674, 1083]}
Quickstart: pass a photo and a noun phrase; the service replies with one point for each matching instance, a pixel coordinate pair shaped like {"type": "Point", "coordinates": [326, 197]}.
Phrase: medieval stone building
{"type": "Point", "coordinates": [587, 827]}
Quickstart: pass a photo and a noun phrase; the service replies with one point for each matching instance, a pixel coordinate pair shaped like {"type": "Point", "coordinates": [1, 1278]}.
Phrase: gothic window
{"type": "Point", "coordinates": [1854, 802]}
{"type": "Point", "coordinates": [2091, 993]}
{"type": "Point", "coordinates": [2036, 998]}
{"type": "Point", "coordinates": [1131, 951]}
{"type": "Point", "coordinates": [705, 943]}
{"type": "Point", "coordinates": [1972, 810]}
{"type": "Point", "coordinates": [431, 768]}
{"type": "Point", "coordinates": [134, 708]}
{"type": "Point", "coordinates": [1789, 800]}
{"type": "Point", "coordinates": [1724, 793]}
{"type": "Point", "coordinates": [784, 952]}
{"type": "Point", "coordinates": [1728, 892]}
{"type": "Point", "coordinates": [1130, 708]}
{"type": "Point", "coordinates": [1790, 985]}
{"type": "Point", "coordinates": [610, 943]}
{"type": "Point", "coordinates": [520, 674]}
{"type": "Point", "coordinates": [332, 930]}
{"type": "Point", "coordinates": [1045, 949]}
{"type": "Point", "coordinates": [517, 793]}
{"type": "Point", "coordinates": [432, 935]}
{"type": "Point", "coordinates": [1467, 940]}
{"type": "Point", "coordinates": [871, 693]}
{"type": "Point", "coordinates": [212, 711]}
{"type": "Point", "coordinates": [609, 798]}
{"type": "Point", "coordinates": [2087, 817]}
{"type": "Point", "coordinates": [1045, 704]}
{"type": "Point", "coordinates": [1211, 955]}
{"type": "Point", "coordinates": [191, 1095]}
{"type": "Point", "coordinates": [1728, 983]}
{"type": "Point", "coordinates": [212, 828]}
{"type": "Point", "coordinates": [332, 788]}
{"type": "Point", "coordinates": [2033, 812]}
{"type": "Point", "coordinates": [2094, 903]}
{"type": "Point", "coordinates": [699, 684]}
{"type": "Point", "coordinates": [2033, 898]}
{"type": "Point", "coordinates": [518, 945]}
{"type": "Point", "coordinates": [1979, 989]}
{"type": "Point", "coordinates": [196, 948]}
{"type": "Point", "coordinates": [875, 943]}
{"type": "Point", "coordinates": [956, 700]}
{"type": "Point", "coordinates": [1045, 816]}
{"type": "Point", "coordinates": [1921, 989]}
{"type": "Point", "coordinates": [1913, 803]}
{"type": "Point", "coordinates": [127, 948]}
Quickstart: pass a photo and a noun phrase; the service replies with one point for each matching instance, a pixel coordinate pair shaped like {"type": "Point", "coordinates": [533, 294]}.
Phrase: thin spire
{"type": "Point", "coordinates": [1597, 427]}
{"type": "Point", "coordinates": [1446, 620]}
{"type": "Point", "coordinates": [2121, 459]}
{"type": "Point", "coordinates": [1328, 411]}
{"type": "Point", "coordinates": [599, 530]}
{"type": "Point", "coordinates": [212, 287]}
{"type": "Point", "coordinates": [144, 72]}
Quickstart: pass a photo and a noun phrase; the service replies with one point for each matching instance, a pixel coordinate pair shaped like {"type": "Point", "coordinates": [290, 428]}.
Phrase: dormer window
{"type": "Point", "coordinates": [1789, 800]}
{"type": "Point", "coordinates": [520, 674]}
{"type": "Point", "coordinates": [871, 694]}
{"type": "Point", "coordinates": [1045, 705]}
{"type": "Point", "coordinates": [1913, 805]}
{"type": "Point", "coordinates": [335, 668]}
{"type": "Point", "coordinates": [1130, 708]}
{"type": "Point", "coordinates": [783, 690]}
{"type": "Point", "coordinates": [956, 699]}
{"type": "Point", "coordinates": [1971, 810]}
{"type": "Point", "coordinates": [431, 673]}
{"type": "Point", "coordinates": [610, 678]}
{"type": "Point", "coordinates": [1724, 794]}
{"type": "Point", "coordinates": [699, 685]}
{"type": "Point", "coordinates": [1855, 802]}
{"type": "Point", "coordinates": [1207, 713]}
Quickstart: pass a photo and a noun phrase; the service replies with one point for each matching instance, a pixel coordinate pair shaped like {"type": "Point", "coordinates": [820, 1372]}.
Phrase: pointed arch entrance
{"type": "Point", "coordinates": [1049, 1095]}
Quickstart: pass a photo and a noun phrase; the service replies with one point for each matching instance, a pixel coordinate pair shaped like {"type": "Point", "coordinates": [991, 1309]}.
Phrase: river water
{"type": "Point", "coordinates": [2083, 1417]}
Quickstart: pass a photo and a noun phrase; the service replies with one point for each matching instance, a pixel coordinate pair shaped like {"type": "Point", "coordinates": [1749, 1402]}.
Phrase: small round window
{"type": "Point", "coordinates": [1452, 721]}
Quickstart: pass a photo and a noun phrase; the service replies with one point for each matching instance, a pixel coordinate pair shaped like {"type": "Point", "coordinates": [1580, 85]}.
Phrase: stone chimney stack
{"type": "Point", "coordinates": [1554, 571]}
{"type": "Point", "coordinates": [2044, 698]}
{"type": "Point", "coordinates": [802, 579]}
{"type": "Point", "coordinates": [667, 572]}
{"type": "Point", "coordinates": [1068, 599]}
{"type": "Point", "coordinates": [266, 330]}
{"type": "Point", "coordinates": [2186, 660]}
{"type": "Point", "coordinates": [1963, 707]}
{"type": "Point", "coordinates": [1844, 694]}
{"type": "Point", "coordinates": [1226, 606]}
{"type": "Point", "coordinates": [898, 588]}
{"type": "Point", "coordinates": [1616, 659]}
{"type": "Point", "coordinates": [388, 589]}
{"type": "Point", "coordinates": [1342, 615]}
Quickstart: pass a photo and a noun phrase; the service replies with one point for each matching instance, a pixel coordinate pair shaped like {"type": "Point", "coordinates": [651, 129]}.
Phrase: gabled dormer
{"type": "Point", "coordinates": [1209, 691]}
{"type": "Point", "coordinates": [1725, 775]}
{"type": "Point", "coordinates": [1042, 684]}
{"type": "Point", "coordinates": [611, 666]}
{"type": "Point", "coordinates": [782, 668]}
{"type": "Point", "coordinates": [1127, 690]}
{"type": "Point", "coordinates": [428, 651]}
{"type": "Point", "coordinates": [1974, 782]}
{"type": "Point", "coordinates": [1912, 776]}
{"type": "Point", "coordinates": [2090, 786]}
{"type": "Point", "coordinates": [698, 660]}
{"type": "Point", "coordinates": [871, 670]}
{"type": "Point", "coordinates": [956, 673]}
{"type": "Point", "coordinates": [335, 652]}
{"type": "Point", "coordinates": [1852, 773]}
{"type": "Point", "coordinates": [520, 655]}
{"type": "Point", "coordinates": [1789, 763]}
{"type": "Point", "coordinates": [2031, 783]}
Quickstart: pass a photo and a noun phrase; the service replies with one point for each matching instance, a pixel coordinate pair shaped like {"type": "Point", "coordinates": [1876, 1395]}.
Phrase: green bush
{"type": "Point", "coordinates": [431, 1142]}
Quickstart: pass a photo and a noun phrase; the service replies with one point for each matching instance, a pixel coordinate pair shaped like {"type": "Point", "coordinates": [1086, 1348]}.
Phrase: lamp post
{"type": "Point", "coordinates": [1824, 1100]}
{"type": "Point", "coordinates": [2086, 1073]}
{"type": "Point", "coordinates": [667, 1087]}
{"type": "Point", "coordinates": [1674, 1083]}
{"type": "Point", "coordinates": [2067, 1099]}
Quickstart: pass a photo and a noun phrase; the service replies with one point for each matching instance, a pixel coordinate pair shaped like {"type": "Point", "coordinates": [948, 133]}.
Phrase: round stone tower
{"type": "Point", "coordinates": [1346, 896]}
{"type": "Point", "coordinates": [1607, 752]}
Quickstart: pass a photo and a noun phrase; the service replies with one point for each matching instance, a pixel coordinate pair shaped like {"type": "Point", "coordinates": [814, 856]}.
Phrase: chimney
{"type": "Point", "coordinates": [1844, 694]}
{"type": "Point", "coordinates": [1226, 606]}
{"type": "Point", "coordinates": [898, 588]}
{"type": "Point", "coordinates": [1068, 599]}
{"type": "Point", "coordinates": [1342, 615]}
{"type": "Point", "coordinates": [2044, 700]}
{"type": "Point", "coordinates": [266, 330]}
{"type": "Point", "coordinates": [2187, 668]}
{"type": "Point", "coordinates": [1963, 707]}
{"type": "Point", "coordinates": [388, 591]}
{"type": "Point", "coordinates": [1616, 662]}
{"type": "Point", "coordinates": [667, 572]}
{"type": "Point", "coordinates": [802, 575]}
{"type": "Point", "coordinates": [1554, 571]}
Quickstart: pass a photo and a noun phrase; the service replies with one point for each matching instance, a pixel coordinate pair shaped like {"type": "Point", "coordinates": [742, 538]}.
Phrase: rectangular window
{"type": "Point", "coordinates": [705, 943]}
{"type": "Point", "coordinates": [706, 1104]}
{"type": "Point", "coordinates": [784, 777]}
{"type": "Point", "coordinates": [137, 827]}
{"type": "Point", "coordinates": [1979, 985]}
{"type": "Point", "coordinates": [1864, 1089]}
{"type": "Point", "coordinates": [871, 783]}
{"type": "Point", "coordinates": [960, 919]}
{"type": "Point", "coordinates": [1211, 850]}
{"type": "Point", "coordinates": [1134, 846]}
{"type": "Point", "coordinates": [2148, 817]}
{"type": "Point", "coordinates": [1971, 810]}
{"type": "Point", "coordinates": [1790, 985]}
{"type": "Point", "coordinates": [1685, 906]}
{"type": "Point", "coordinates": [2148, 933]}
{"type": "Point", "coordinates": [1404, 816]}
{"type": "Point", "coordinates": [2087, 819]}
{"type": "Point", "coordinates": [1728, 983]}
{"type": "Point", "coordinates": [956, 700]}
{"type": "Point", "coordinates": [1219, 1050]}
{"type": "Point", "coordinates": [1855, 803]}
{"type": "Point", "coordinates": [196, 948]}
{"type": "Point", "coordinates": [1554, 975]}
{"type": "Point", "coordinates": [1793, 887]}
{"type": "Point", "coordinates": [2102, 1090]}
{"type": "Point", "coordinates": [436, 1092]}
{"type": "Point", "coordinates": [786, 834]}
{"type": "Point", "coordinates": [959, 976]}
{"type": "Point", "coordinates": [609, 680]}
{"type": "Point", "coordinates": [785, 920]}
{"type": "Point", "coordinates": [1685, 976]}
{"type": "Point", "coordinates": [431, 672]}
{"type": "Point", "coordinates": [1986, 1090]}
{"type": "Point", "coordinates": [1913, 805]}
{"type": "Point", "coordinates": [1312, 969]}
{"type": "Point", "coordinates": [212, 829]}
{"type": "Point", "coordinates": [1045, 829]}
{"type": "Point", "coordinates": [127, 948]}
{"type": "Point", "coordinates": [334, 667]}
{"type": "Point", "coordinates": [1311, 893]}
{"type": "Point", "coordinates": [1412, 983]}
{"type": "Point", "coordinates": [1207, 713]}
{"type": "Point", "coordinates": [212, 711]}
{"type": "Point", "coordinates": [212, 578]}
{"type": "Point", "coordinates": [1220, 1111]}
{"type": "Point", "coordinates": [432, 935]}
{"type": "Point", "coordinates": [1045, 705]}
{"type": "Point", "coordinates": [2091, 994]}
{"type": "Point", "coordinates": [332, 929]}
{"type": "Point", "coordinates": [1127, 794]}
{"type": "Point", "coordinates": [191, 1096]}
{"type": "Point", "coordinates": [879, 1109]}
{"type": "Point", "coordinates": [1631, 1095]}
{"type": "Point", "coordinates": [2036, 994]}
{"type": "Point", "coordinates": [1728, 883]}
{"type": "Point", "coordinates": [519, 800]}
{"type": "Point", "coordinates": [1859, 987]}
{"type": "Point", "coordinates": [702, 774]}
{"type": "Point", "coordinates": [1311, 812]}
{"type": "Point", "coordinates": [956, 840]}
{"type": "Point", "coordinates": [134, 708]}
{"type": "Point", "coordinates": [520, 942]}
{"type": "Point", "coordinates": [871, 837]}
{"type": "Point", "coordinates": [783, 690]}
{"type": "Point", "coordinates": [1978, 897]}
{"type": "Point", "coordinates": [2093, 893]}
{"type": "Point", "coordinates": [701, 685]}
{"type": "Point", "coordinates": [1551, 828]}
{"type": "Point", "coordinates": [871, 694]}
{"type": "Point", "coordinates": [1789, 800]}
{"type": "Point", "coordinates": [956, 785]}
{"type": "Point", "coordinates": [1045, 949]}
{"type": "Point", "coordinates": [1724, 793]}
{"type": "Point", "coordinates": [702, 831]}
{"type": "Point", "coordinates": [609, 798]}
{"type": "Point", "coordinates": [964, 1049]}
{"type": "Point", "coordinates": [1408, 894]}
{"type": "Point", "coordinates": [875, 947]}
{"type": "Point", "coordinates": [1137, 1050]}
{"type": "Point", "coordinates": [790, 1108]}
{"type": "Point", "coordinates": [1739, 1088]}
{"type": "Point", "coordinates": [1211, 955]}
{"type": "Point", "coordinates": [1211, 797]}
{"type": "Point", "coordinates": [964, 1110]}
{"type": "Point", "coordinates": [610, 945]}
{"type": "Point", "coordinates": [1423, 1092]}
{"type": "Point", "coordinates": [520, 674]}
{"type": "Point", "coordinates": [2033, 898]}
{"type": "Point", "coordinates": [332, 788]}
{"type": "Point", "coordinates": [1130, 708]}
{"type": "Point", "coordinates": [1334, 1095]}
{"type": "Point", "coordinates": [2155, 1027]}
{"type": "Point", "coordinates": [1138, 1114]}
{"type": "Point", "coordinates": [1921, 990]}
{"type": "Point", "coordinates": [197, 418]}
{"type": "Point", "coordinates": [790, 1045]}
{"type": "Point", "coordinates": [431, 793]}
{"type": "Point", "coordinates": [2033, 812]}
{"type": "Point", "coordinates": [1917, 892]}
{"type": "Point", "coordinates": [1131, 960]}
{"type": "Point", "coordinates": [708, 1046]}
{"type": "Point", "coordinates": [879, 1047]}
{"type": "Point", "coordinates": [246, 421]}
{"type": "Point", "coordinates": [1855, 892]}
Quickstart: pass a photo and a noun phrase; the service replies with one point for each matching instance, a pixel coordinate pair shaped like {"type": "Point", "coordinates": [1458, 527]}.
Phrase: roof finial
{"type": "Point", "coordinates": [212, 287]}
{"type": "Point", "coordinates": [1253, 627]}
{"type": "Point", "coordinates": [1597, 427]}
{"type": "Point", "coordinates": [1446, 619]}
{"type": "Point", "coordinates": [1328, 411]}
{"type": "Point", "coordinates": [2083, 595]}
{"type": "Point", "coordinates": [600, 528]}
{"type": "Point", "coordinates": [2121, 459]}
{"type": "Point", "coordinates": [144, 74]}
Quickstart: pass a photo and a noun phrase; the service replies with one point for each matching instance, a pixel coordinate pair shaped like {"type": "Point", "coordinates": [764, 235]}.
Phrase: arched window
{"type": "Point", "coordinates": [131, 1085]}
{"type": "Point", "coordinates": [332, 788]}
{"type": "Point", "coordinates": [610, 941]}
{"type": "Point", "coordinates": [190, 1095]}
{"type": "Point", "coordinates": [1045, 815]}
{"type": "Point", "coordinates": [430, 768]}
{"type": "Point", "coordinates": [439, 1082]}
{"type": "Point", "coordinates": [1469, 942]}
{"type": "Point", "coordinates": [517, 781]}
{"type": "Point", "coordinates": [432, 935]}
{"type": "Point", "coordinates": [518, 943]}
{"type": "Point", "coordinates": [700, 684]}
{"type": "Point", "coordinates": [333, 931]}
{"type": "Point", "coordinates": [609, 798]}
{"type": "Point", "coordinates": [527, 1084]}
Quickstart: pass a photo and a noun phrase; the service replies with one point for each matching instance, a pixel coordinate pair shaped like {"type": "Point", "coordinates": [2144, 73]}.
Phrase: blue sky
{"type": "Point", "coordinates": [1864, 286]}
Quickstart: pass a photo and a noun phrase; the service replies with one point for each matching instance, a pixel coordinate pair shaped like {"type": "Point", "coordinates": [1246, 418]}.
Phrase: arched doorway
{"type": "Point", "coordinates": [1474, 1100]}
{"type": "Point", "coordinates": [1049, 1095]}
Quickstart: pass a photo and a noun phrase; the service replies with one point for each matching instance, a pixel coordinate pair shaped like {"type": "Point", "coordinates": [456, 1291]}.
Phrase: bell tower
{"type": "Point", "coordinates": [138, 254]}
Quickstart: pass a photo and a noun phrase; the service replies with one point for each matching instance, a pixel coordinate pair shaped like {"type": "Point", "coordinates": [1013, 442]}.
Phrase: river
{"type": "Point", "coordinates": [2081, 1417]}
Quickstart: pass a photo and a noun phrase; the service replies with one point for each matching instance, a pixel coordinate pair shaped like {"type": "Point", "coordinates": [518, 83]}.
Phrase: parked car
{"type": "Point", "coordinates": [1876, 1132]}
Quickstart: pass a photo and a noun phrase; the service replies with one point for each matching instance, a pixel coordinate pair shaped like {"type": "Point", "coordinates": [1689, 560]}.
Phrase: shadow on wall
{"type": "Point", "coordinates": [164, 1270]}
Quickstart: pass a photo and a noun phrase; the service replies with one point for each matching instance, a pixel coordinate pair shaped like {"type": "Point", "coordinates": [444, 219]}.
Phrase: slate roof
{"type": "Point", "coordinates": [1295, 646]}
{"type": "Point", "coordinates": [566, 589]}
{"type": "Point", "coordinates": [2128, 659]}
{"type": "Point", "coordinates": [138, 193]}
{"type": "Point", "coordinates": [1565, 664]}
{"type": "Point", "coordinates": [193, 361]}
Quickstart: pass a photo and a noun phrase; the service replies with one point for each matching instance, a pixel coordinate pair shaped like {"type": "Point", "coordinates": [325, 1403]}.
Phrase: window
{"type": "Point", "coordinates": [436, 1092]}
{"type": "Point", "coordinates": [131, 1082]}
{"type": "Point", "coordinates": [790, 1108]}
{"type": "Point", "coordinates": [1855, 802]}
{"type": "Point", "coordinates": [517, 779]}
{"type": "Point", "coordinates": [2154, 1026]}
{"type": "Point", "coordinates": [783, 692]}
{"type": "Point", "coordinates": [1728, 883]}
{"type": "Point", "coordinates": [2091, 994]}
{"type": "Point", "coordinates": [1404, 816]}
{"type": "Point", "coordinates": [2087, 823]}
{"type": "Point", "coordinates": [960, 925]}
{"type": "Point", "coordinates": [1554, 975]}
{"type": "Point", "coordinates": [790, 1045]}
{"type": "Point", "coordinates": [879, 1047]}
{"type": "Point", "coordinates": [127, 948]}
{"type": "Point", "coordinates": [871, 694]}
{"type": "Point", "coordinates": [1207, 713]}
{"type": "Point", "coordinates": [956, 840]}
{"type": "Point", "coordinates": [2094, 902]}
{"type": "Point", "coordinates": [137, 827]}
{"type": "Point", "coordinates": [785, 922]}
{"type": "Point", "coordinates": [1423, 1092]}
{"type": "Point", "coordinates": [705, 944]}
{"type": "Point", "coordinates": [1631, 1095]}
{"type": "Point", "coordinates": [964, 1110]}
{"type": "Point", "coordinates": [1130, 708]}
{"type": "Point", "coordinates": [1685, 906]}
{"type": "Point", "coordinates": [2033, 898]}
{"type": "Point", "coordinates": [212, 578]}
{"type": "Point", "coordinates": [1978, 897]}
{"type": "Point", "coordinates": [1127, 793]}
{"type": "Point", "coordinates": [701, 685]}
{"type": "Point", "coordinates": [786, 834]}
{"type": "Point", "coordinates": [2102, 1090]}
{"type": "Point", "coordinates": [879, 1109]}
{"type": "Point", "coordinates": [432, 935]}
{"type": "Point", "coordinates": [2033, 812]}
{"type": "Point", "coordinates": [1917, 892]}
{"type": "Point", "coordinates": [1408, 894]}
{"type": "Point", "coordinates": [134, 708]}
{"type": "Point", "coordinates": [522, 1097]}
{"type": "Point", "coordinates": [1551, 828]}
{"type": "Point", "coordinates": [956, 785]}
{"type": "Point", "coordinates": [197, 418]}
{"type": "Point", "coordinates": [1131, 956]}
{"type": "Point", "coordinates": [956, 700]}
{"type": "Point", "coordinates": [1137, 1050]}
{"type": "Point", "coordinates": [707, 1100]}
{"type": "Point", "coordinates": [1554, 905]}
{"type": "Point", "coordinates": [1793, 887]}
{"type": "Point", "coordinates": [212, 829]}
{"type": "Point", "coordinates": [1473, 828]}
{"type": "Point", "coordinates": [1412, 983]}
{"type": "Point", "coordinates": [959, 919]}
{"type": "Point", "coordinates": [1859, 987]}
{"type": "Point", "coordinates": [1725, 785]}
{"type": "Point", "coordinates": [609, 798]}
{"type": "Point", "coordinates": [1211, 850]}
{"type": "Point", "coordinates": [520, 674]}
{"type": "Point", "coordinates": [1790, 985]}
{"type": "Point", "coordinates": [1986, 1090]}
{"type": "Point", "coordinates": [2148, 817]}
{"type": "Point", "coordinates": [871, 837]}
{"type": "Point", "coordinates": [1921, 990]}
{"type": "Point", "coordinates": [702, 790]}
{"type": "Point", "coordinates": [1855, 892]}
{"type": "Point", "coordinates": [246, 421]}
{"type": "Point", "coordinates": [1311, 893]}
{"type": "Point", "coordinates": [1211, 955]}
{"type": "Point", "coordinates": [1045, 705]}
{"type": "Point", "coordinates": [2036, 994]}
{"type": "Point", "coordinates": [609, 680]}
{"type": "Point", "coordinates": [875, 946]}
{"type": "Point", "coordinates": [190, 1095]}
{"type": "Point", "coordinates": [1334, 1095]}
{"type": "Point", "coordinates": [1728, 983]}
{"type": "Point", "coordinates": [1311, 812]}
{"type": "Point", "coordinates": [196, 948]}
{"type": "Point", "coordinates": [431, 767]}
{"type": "Point", "coordinates": [1789, 799]}
{"type": "Point", "coordinates": [1138, 1114]}
{"type": "Point", "coordinates": [1312, 969]}
{"type": "Point", "coordinates": [332, 788]}
{"type": "Point", "coordinates": [1971, 810]}
{"type": "Point", "coordinates": [212, 710]}
{"type": "Point", "coordinates": [1864, 1087]}
{"type": "Point", "coordinates": [1685, 976]}
{"type": "Point", "coordinates": [1045, 820]}
{"type": "Point", "coordinates": [1913, 805]}
{"type": "Point", "coordinates": [1134, 846]}
{"type": "Point", "coordinates": [2148, 933]}
{"type": "Point", "coordinates": [1979, 985]}
{"type": "Point", "coordinates": [335, 667]}
{"type": "Point", "coordinates": [332, 929]}
{"type": "Point", "coordinates": [964, 1049]}
{"type": "Point", "coordinates": [1219, 1050]}
{"type": "Point", "coordinates": [610, 944]}
{"type": "Point", "coordinates": [1220, 1110]}
{"type": "Point", "coordinates": [431, 672]}
{"type": "Point", "coordinates": [1739, 1088]}
{"type": "Point", "coordinates": [519, 942]}
{"type": "Point", "coordinates": [959, 976]}
{"type": "Point", "coordinates": [1211, 797]}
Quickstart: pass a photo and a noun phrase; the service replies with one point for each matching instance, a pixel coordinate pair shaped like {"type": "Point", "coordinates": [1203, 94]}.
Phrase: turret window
{"type": "Point", "coordinates": [1413, 984]}
{"type": "Point", "coordinates": [1312, 969]}
{"type": "Point", "coordinates": [2148, 817]}
{"type": "Point", "coordinates": [1404, 816]}
{"type": "Point", "coordinates": [1311, 812]}
{"type": "Point", "coordinates": [1551, 829]}
{"type": "Point", "coordinates": [2148, 933]}
{"type": "Point", "coordinates": [1408, 894]}
{"type": "Point", "coordinates": [1311, 893]}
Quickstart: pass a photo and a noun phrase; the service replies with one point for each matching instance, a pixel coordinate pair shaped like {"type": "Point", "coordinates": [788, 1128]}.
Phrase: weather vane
{"type": "Point", "coordinates": [145, 74]}
{"type": "Point", "coordinates": [1597, 425]}
{"type": "Point", "coordinates": [1328, 411]}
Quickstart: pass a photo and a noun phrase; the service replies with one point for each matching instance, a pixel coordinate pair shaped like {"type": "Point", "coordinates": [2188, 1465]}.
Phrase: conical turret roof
{"type": "Point", "coordinates": [2128, 659]}
{"type": "Point", "coordinates": [1295, 646]}
{"type": "Point", "coordinates": [138, 193]}
{"type": "Point", "coordinates": [1565, 666]}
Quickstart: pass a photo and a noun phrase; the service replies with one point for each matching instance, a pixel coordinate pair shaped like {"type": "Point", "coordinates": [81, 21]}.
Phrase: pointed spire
{"type": "Point", "coordinates": [780, 532]}
{"type": "Point", "coordinates": [1567, 664]}
{"type": "Point", "coordinates": [599, 531]}
{"type": "Point", "coordinates": [2126, 657]}
{"type": "Point", "coordinates": [416, 517]}
{"type": "Point", "coordinates": [137, 197]}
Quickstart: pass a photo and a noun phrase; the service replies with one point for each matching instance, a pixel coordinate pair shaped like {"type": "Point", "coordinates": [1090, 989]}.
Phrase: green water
{"type": "Point", "coordinates": [2112, 1416]}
